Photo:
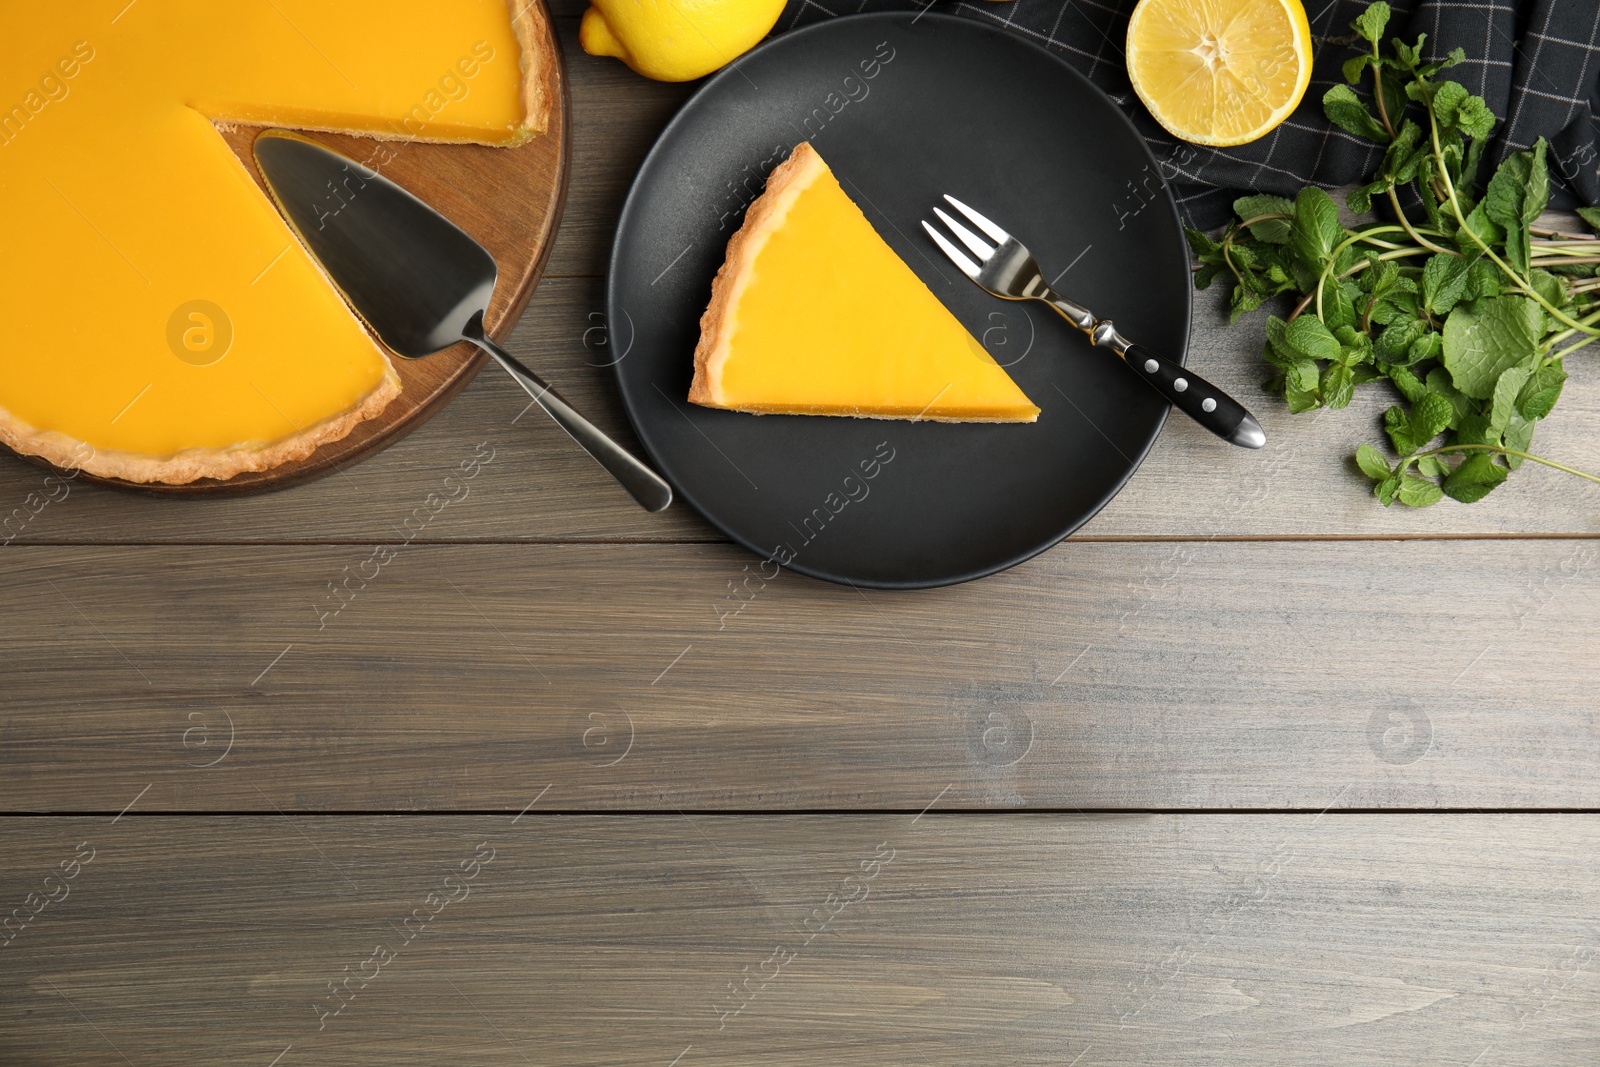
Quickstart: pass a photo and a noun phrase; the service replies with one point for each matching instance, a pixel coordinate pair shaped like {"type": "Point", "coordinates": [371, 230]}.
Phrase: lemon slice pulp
{"type": "Point", "coordinates": [1219, 72]}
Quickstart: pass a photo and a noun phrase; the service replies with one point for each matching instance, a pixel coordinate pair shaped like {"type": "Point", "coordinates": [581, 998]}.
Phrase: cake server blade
{"type": "Point", "coordinates": [418, 280]}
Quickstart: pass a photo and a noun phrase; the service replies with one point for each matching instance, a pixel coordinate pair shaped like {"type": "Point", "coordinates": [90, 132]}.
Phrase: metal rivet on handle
{"type": "Point", "coordinates": [1208, 404]}
{"type": "Point", "coordinates": [1151, 366]}
{"type": "Point", "coordinates": [1181, 384]}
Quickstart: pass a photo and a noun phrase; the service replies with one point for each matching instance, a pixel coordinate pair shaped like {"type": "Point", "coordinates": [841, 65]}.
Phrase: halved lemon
{"type": "Point", "coordinates": [1219, 72]}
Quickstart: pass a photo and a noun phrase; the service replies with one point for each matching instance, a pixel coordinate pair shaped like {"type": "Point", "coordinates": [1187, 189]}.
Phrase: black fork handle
{"type": "Point", "coordinates": [1196, 398]}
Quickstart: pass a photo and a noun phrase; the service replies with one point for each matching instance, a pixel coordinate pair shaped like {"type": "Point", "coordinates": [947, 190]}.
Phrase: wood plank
{"type": "Point", "coordinates": [538, 486]}
{"type": "Point", "coordinates": [616, 116]}
{"type": "Point", "coordinates": [1246, 940]}
{"type": "Point", "coordinates": [541, 487]}
{"type": "Point", "coordinates": [1258, 675]}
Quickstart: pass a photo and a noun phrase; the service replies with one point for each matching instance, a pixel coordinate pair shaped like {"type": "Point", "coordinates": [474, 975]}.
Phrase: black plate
{"type": "Point", "coordinates": [951, 106]}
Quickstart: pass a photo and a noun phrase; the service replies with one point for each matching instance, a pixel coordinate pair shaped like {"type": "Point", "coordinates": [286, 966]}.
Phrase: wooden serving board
{"type": "Point", "coordinates": [508, 199]}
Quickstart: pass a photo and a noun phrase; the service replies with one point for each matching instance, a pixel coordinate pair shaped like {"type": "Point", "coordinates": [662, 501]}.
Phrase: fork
{"type": "Point", "coordinates": [1008, 270]}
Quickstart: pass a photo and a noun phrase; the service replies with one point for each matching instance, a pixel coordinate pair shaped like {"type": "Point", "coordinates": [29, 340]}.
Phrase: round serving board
{"type": "Point", "coordinates": [508, 199]}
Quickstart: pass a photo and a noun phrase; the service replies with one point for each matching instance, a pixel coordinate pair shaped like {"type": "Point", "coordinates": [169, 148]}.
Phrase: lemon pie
{"type": "Point", "coordinates": [163, 323]}
{"type": "Point", "coordinates": [812, 313]}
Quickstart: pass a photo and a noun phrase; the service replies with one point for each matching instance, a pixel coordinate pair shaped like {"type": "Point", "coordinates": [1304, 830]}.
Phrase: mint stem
{"type": "Point", "coordinates": [1501, 450]}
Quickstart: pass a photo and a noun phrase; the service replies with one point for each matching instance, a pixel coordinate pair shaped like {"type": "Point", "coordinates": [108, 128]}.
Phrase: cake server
{"type": "Point", "coordinates": [418, 280]}
{"type": "Point", "coordinates": [1008, 270]}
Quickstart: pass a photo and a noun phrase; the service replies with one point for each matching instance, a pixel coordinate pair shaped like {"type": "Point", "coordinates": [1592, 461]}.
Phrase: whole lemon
{"type": "Point", "coordinates": [676, 40]}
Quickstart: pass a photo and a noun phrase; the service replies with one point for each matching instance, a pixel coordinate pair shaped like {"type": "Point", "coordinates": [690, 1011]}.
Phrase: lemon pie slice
{"type": "Point", "coordinates": [813, 314]}
{"type": "Point", "coordinates": [163, 323]}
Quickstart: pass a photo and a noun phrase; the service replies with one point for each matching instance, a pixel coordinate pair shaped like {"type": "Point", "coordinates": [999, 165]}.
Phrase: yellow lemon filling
{"type": "Point", "coordinates": [814, 314]}
{"type": "Point", "coordinates": [164, 324]}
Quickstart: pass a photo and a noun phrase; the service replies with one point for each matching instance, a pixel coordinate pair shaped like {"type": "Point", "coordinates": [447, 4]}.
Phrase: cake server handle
{"type": "Point", "coordinates": [643, 484]}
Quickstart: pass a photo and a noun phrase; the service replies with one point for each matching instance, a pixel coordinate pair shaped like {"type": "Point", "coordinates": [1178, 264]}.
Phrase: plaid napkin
{"type": "Point", "coordinates": [1536, 64]}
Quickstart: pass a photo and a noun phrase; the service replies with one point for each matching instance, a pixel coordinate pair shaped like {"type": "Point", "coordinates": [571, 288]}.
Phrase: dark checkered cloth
{"type": "Point", "coordinates": [1536, 64]}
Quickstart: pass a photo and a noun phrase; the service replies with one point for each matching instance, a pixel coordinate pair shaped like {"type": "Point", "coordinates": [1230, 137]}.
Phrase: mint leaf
{"type": "Point", "coordinates": [1484, 278]}
{"type": "Point", "coordinates": [1299, 375]}
{"type": "Point", "coordinates": [1487, 338]}
{"type": "Point", "coordinates": [1315, 235]}
{"type": "Point", "coordinates": [1387, 489]}
{"type": "Point", "coordinates": [1246, 258]}
{"type": "Point", "coordinates": [1404, 156]}
{"type": "Point", "coordinates": [1201, 245]}
{"type": "Point", "coordinates": [1338, 310]}
{"type": "Point", "coordinates": [1548, 286]}
{"type": "Point", "coordinates": [1308, 338]}
{"type": "Point", "coordinates": [1429, 346]}
{"type": "Point", "coordinates": [1409, 384]}
{"type": "Point", "coordinates": [1517, 194]}
{"type": "Point", "coordinates": [1432, 414]}
{"type": "Point", "coordinates": [1355, 348]}
{"type": "Point", "coordinates": [1536, 191]}
{"type": "Point", "coordinates": [1360, 200]}
{"type": "Point", "coordinates": [1444, 282]}
{"type": "Point", "coordinates": [1461, 405]}
{"type": "Point", "coordinates": [1338, 385]}
{"type": "Point", "coordinates": [1395, 305]}
{"type": "Point", "coordinates": [1591, 215]}
{"type": "Point", "coordinates": [1301, 400]}
{"type": "Point", "coordinates": [1456, 57]}
{"type": "Point", "coordinates": [1272, 231]}
{"type": "Point", "coordinates": [1502, 203]}
{"type": "Point", "coordinates": [1370, 23]}
{"type": "Point", "coordinates": [1473, 429]}
{"type": "Point", "coordinates": [1393, 345]}
{"type": "Point", "coordinates": [1504, 403]}
{"type": "Point", "coordinates": [1475, 119]}
{"type": "Point", "coordinates": [1541, 392]}
{"type": "Point", "coordinates": [1346, 111]}
{"type": "Point", "coordinates": [1408, 55]}
{"type": "Point", "coordinates": [1433, 466]}
{"type": "Point", "coordinates": [1473, 480]}
{"type": "Point", "coordinates": [1300, 372]}
{"type": "Point", "coordinates": [1353, 67]}
{"type": "Point", "coordinates": [1518, 435]}
{"type": "Point", "coordinates": [1398, 427]}
{"type": "Point", "coordinates": [1484, 228]}
{"type": "Point", "coordinates": [1372, 463]}
{"type": "Point", "coordinates": [1447, 98]}
{"type": "Point", "coordinates": [1418, 492]}
{"type": "Point", "coordinates": [1467, 178]}
{"type": "Point", "coordinates": [1244, 300]}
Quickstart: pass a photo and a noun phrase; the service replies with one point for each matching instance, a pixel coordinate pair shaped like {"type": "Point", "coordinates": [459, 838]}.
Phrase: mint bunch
{"type": "Point", "coordinates": [1467, 311]}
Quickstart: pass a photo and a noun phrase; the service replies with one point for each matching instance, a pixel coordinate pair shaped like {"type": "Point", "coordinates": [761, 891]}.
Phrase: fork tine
{"type": "Point", "coordinates": [995, 233]}
{"type": "Point", "coordinates": [968, 238]}
{"type": "Point", "coordinates": [958, 257]}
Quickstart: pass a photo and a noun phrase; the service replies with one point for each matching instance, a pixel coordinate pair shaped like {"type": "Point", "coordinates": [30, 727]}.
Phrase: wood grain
{"type": "Point", "coordinates": [549, 490]}
{"type": "Point", "coordinates": [1456, 674]}
{"type": "Point", "coordinates": [1253, 941]}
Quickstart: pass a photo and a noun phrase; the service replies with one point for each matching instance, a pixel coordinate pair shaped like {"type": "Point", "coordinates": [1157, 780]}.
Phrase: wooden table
{"type": "Point", "coordinates": [1249, 771]}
